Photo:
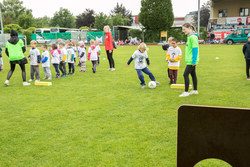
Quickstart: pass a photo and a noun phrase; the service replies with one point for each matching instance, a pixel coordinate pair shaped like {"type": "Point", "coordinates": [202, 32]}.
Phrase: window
{"type": "Point", "coordinates": [244, 12]}
{"type": "Point", "coordinates": [222, 13]}
{"type": "Point", "coordinates": [247, 31]}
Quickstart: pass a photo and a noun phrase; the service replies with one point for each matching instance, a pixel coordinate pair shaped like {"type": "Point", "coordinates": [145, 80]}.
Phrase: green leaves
{"type": "Point", "coordinates": [63, 18]}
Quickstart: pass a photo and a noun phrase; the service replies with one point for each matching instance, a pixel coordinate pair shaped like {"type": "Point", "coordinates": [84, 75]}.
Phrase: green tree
{"type": "Point", "coordinates": [118, 20]}
{"type": "Point", "coordinates": [101, 20]}
{"type": "Point", "coordinates": [63, 18]}
{"type": "Point", "coordinates": [87, 18]}
{"type": "Point", "coordinates": [205, 15]}
{"type": "Point", "coordinates": [42, 22]}
{"type": "Point", "coordinates": [28, 33]}
{"type": "Point", "coordinates": [8, 28]}
{"type": "Point", "coordinates": [156, 15]}
{"type": "Point", "coordinates": [123, 11]}
{"type": "Point", "coordinates": [12, 9]}
{"type": "Point", "coordinates": [26, 20]}
{"type": "Point", "coordinates": [135, 33]}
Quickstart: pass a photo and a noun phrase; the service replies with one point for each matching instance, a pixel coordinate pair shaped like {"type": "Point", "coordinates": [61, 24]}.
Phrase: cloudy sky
{"type": "Point", "coordinates": [49, 7]}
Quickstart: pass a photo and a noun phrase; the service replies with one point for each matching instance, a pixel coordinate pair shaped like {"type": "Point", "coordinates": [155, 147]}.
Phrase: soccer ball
{"type": "Point", "coordinates": [152, 84]}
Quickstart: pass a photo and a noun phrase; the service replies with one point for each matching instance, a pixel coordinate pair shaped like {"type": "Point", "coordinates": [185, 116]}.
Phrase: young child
{"type": "Point", "coordinates": [93, 55]}
{"type": "Point", "coordinates": [35, 60]}
{"type": "Point", "coordinates": [70, 59]}
{"type": "Point", "coordinates": [46, 62]}
{"type": "Point", "coordinates": [75, 50]}
{"type": "Point", "coordinates": [82, 56]}
{"type": "Point", "coordinates": [58, 42]}
{"type": "Point", "coordinates": [246, 51]}
{"type": "Point", "coordinates": [1, 60]}
{"type": "Point", "coordinates": [99, 51]}
{"type": "Point", "coordinates": [63, 57]}
{"type": "Point", "coordinates": [173, 57]}
{"type": "Point", "coordinates": [140, 56]}
{"type": "Point", "coordinates": [55, 59]}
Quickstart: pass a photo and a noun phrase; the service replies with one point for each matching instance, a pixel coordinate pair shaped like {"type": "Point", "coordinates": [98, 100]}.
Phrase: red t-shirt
{"type": "Point", "coordinates": [109, 41]}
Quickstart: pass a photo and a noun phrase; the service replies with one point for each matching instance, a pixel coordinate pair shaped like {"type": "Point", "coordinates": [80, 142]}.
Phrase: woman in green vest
{"type": "Point", "coordinates": [15, 51]}
{"type": "Point", "coordinates": [191, 58]}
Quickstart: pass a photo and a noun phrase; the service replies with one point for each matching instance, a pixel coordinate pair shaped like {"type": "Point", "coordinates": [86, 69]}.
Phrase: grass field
{"type": "Point", "coordinates": [106, 119]}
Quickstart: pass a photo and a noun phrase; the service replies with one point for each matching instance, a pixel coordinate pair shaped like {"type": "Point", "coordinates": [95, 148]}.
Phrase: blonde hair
{"type": "Point", "coordinates": [59, 40]}
{"type": "Point", "coordinates": [188, 25]}
{"type": "Point", "coordinates": [33, 42]}
{"type": "Point", "coordinates": [108, 28]}
{"type": "Point", "coordinates": [92, 42]}
{"type": "Point", "coordinates": [70, 44]}
{"type": "Point", "coordinates": [143, 47]}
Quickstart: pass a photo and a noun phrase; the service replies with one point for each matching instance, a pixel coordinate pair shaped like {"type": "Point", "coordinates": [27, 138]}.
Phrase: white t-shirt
{"type": "Point", "coordinates": [34, 52]}
{"type": "Point", "coordinates": [75, 50]}
{"type": "Point", "coordinates": [93, 54]}
{"type": "Point", "coordinates": [70, 53]}
{"type": "Point", "coordinates": [55, 57]}
{"type": "Point", "coordinates": [174, 53]}
{"type": "Point", "coordinates": [82, 50]}
{"type": "Point", "coordinates": [63, 52]}
{"type": "Point", "coordinates": [44, 55]}
{"type": "Point", "coordinates": [140, 59]}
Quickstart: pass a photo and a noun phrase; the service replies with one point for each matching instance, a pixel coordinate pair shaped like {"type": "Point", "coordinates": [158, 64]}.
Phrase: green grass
{"type": "Point", "coordinates": [106, 119]}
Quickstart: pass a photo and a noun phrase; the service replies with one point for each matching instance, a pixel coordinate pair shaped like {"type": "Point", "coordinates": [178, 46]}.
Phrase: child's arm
{"type": "Point", "coordinates": [148, 62]}
{"type": "Point", "coordinates": [130, 60]}
{"type": "Point", "coordinates": [44, 59]}
{"type": "Point", "coordinates": [64, 57]}
{"type": "Point", "coordinates": [178, 58]}
{"type": "Point", "coordinates": [168, 57]}
{"type": "Point", "coordinates": [72, 57]}
{"type": "Point", "coordinates": [82, 54]}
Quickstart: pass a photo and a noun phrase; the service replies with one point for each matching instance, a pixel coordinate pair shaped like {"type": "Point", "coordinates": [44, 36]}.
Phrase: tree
{"type": "Point", "coordinates": [205, 15]}
{"type": "Point", "coordinates": [63, 18]}
{"type": "Point", "coordinates": [12, 9]}
{"type": "Point", "coordinates": [28, 33]}
{"type": "Point", "coordinates": [101, 20]}
{"type": "Point", "coordinates": [42, 22]}
{"type": "Point", "coordinates": [119, 20]}
{"type": "Point", "coordinates": [156, 15]}
{"type": "Point", "coordinates": [8, 28]}
{"type": "Point", "coordinates": [135, 33]}
{"type": "Point", "coordinates": [87, 18]}
{"type": "Point", "coordinates": [26, 20]}
{"type": "Point", "coordinates": [123, 11]}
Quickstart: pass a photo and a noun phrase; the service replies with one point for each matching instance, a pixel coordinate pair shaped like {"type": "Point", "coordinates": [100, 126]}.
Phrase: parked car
{"type": "Point", "coordinates": [238, 36]}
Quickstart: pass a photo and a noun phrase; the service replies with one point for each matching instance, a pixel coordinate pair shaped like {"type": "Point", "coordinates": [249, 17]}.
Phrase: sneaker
{"type": "Point", "coordinates": [157, 83]}
{"type": "Point", "coordinates": [30, 80]}
{"type": "Point", "coordinates": [69, 74]}
{"type": "Point", "coordinates": [144, 86]}
{"type": "Point", "coordinates": [174, 82]}
{"type": "Point", "coordinates": [26, 84]}
{"type": "Point", "coordinates": [37, 80]}
{"type": "Point", "coordinates": [64, 76]}
{"type": "Point", "coordinates": [248, 79]}
{"type": "Point", "coordinates": [45, 78]}
{"type": "Point", "coordinates": [58, 76]}
{"type": "Point", "coordinates": [184, 94]}
{"type": "Point", "coordinates": [109, 69]}
{"type": "Point", "coordinates": [7, 83]}
{"type": "Point", "coordinates": [93, 70]}
{"type": "Point", "coordinates": [112, 69]}
{"type": "Point", "coordinates": [170, 83]}
{"type": "Point", "coordinates": [193, 92]}
{"type": "Point", "coordinates": [49, 78]}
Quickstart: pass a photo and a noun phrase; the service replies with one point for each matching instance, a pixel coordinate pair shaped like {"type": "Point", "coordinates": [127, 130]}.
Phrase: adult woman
{"type": "Point", "coordinates": [109, 47]}
{"type": "Point", "coordinates": [14, 50]}
{"type": "Point", "coordinates": [191, 58]}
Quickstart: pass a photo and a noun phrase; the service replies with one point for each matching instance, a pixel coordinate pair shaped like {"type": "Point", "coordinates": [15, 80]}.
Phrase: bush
{"type": "Point", "coordinates": [203, 34]}
{"type": "Point", "coordinates": [135, 33]}
{"type": "Point", "coordinates": [178, 34]}
{"type": "Point", "coordinates": [151, 36]}
{"type": "Point", "coordinates": [8, 28]}
{"type": "Point", "coordinates": [28, 33]}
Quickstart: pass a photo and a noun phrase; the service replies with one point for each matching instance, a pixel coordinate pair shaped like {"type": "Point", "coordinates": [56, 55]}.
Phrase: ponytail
{"type": "Point", "coordinates": [188, 25]}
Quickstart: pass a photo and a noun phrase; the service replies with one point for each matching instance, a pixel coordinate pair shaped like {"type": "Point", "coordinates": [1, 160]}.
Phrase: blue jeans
{"type": "Point", "coordinates": [141, 77]}
{"type": "Point", "coordinates": [57, 69]}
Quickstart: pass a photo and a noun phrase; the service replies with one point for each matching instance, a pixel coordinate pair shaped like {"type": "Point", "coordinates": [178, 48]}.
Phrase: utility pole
{"type": "Point", "coordinates": [199, 16]}
{"type": "Point", "coordinates": [1, 19]}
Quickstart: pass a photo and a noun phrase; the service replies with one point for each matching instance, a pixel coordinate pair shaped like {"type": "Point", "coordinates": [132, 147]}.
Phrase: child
{"type": "Point", "coordinates": [75, 50]}
{"type": "Point", "coordinates": [82, 56]}
{"type": "Point", "coordinates": [173, 57]}
{"type": "Point", "coordinates": [70, 59]}
{"type": "Point", "coordinates": [246, 51]}
{"type": "Point", "coordinates": [63, 57]}
{"type": "Point", "coordinates": [93, 55]}
{"type": "Point", "coordinates": [1, 60]}
{"type": "Point", "coordinates": [35, 60]}
{"type": "Point", "coordinates": [99, 51]}
{"type": "Point", "coordinates": [140, 56]}
{"type": "Point", "coordinates": [46, 62]}
{"type": "Point", "coordinates": [58, 42]}
{"type": "Point", "coordinates": [55, 59]}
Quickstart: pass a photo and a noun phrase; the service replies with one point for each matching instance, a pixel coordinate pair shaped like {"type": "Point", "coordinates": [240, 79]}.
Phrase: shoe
{"type": "Point", "coordinates": [45, 78]}
{"type": "Point", "coordinates": [157, 83]}
{"type": "Point", "coordinates": [170, 83]}
{"type": "Point", "coordinates": [248, 79]}
{"type": "Point", "coordinates": [184, 94]}
{"type": "Point", "coordinates": [7, 83]}
{"type": "Point", "coordinates": [64, 76]}
{"type": "Point", "coordinates": [30, 80]}
{"type": "Point", "coordinates": [58, 76]}
{"type": "Point", "coordinates": [37, 80]}
{"type": "Point", "coordinates": [69, 74]}
{"type": "Point", "coordinates": [109, 69]}
{"type": "Point", "coordinates": [143, 86]}
{"type": "Point", "coordinates": [93, 70]}
{"type": "Point", "coordinates": [50, 78]}
{"type": "Point", "coordinates": [26, 84]}
{"type": "Point", "coordinates": [112, 69]}
{"type": "Point", "coordinates": [193, 92]}
{"type": "Point", "coordinates": [174, 82]}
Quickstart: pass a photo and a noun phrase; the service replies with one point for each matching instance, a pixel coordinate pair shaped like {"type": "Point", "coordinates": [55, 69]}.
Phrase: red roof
{"type": "Point", "coordinates": [179, 18]}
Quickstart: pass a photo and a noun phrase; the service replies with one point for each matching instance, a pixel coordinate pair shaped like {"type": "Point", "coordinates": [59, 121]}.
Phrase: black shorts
{"type": "Point", "coordinates": [22, 61]}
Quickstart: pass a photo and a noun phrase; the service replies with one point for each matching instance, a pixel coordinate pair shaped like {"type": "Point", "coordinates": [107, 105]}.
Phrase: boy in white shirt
{"type": "Point", "coordinates": [35, 60]}
{"type": "Point", "coordinates": [46, 62]}
{"type": "Point", "coordinates": [82, 56]}
{"type": "Point", "coordinates": [70, 59]}
{"type": "Point", "coordinates": [140, 56]}
{"type": "Point", "coordinates": [173, 57]}
{"type": "Point", "coordinates": [93, 55]}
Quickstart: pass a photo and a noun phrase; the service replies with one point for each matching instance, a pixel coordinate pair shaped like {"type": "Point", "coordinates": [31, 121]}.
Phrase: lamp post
{"type": "Point", "coordinates": [199, 15]}
{"type": "Point", "coordinates": [1, 19]}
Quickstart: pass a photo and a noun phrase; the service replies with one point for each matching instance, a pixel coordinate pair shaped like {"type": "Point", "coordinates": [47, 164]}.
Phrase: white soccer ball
{"type": "Point", "coordinates": [152, 84]}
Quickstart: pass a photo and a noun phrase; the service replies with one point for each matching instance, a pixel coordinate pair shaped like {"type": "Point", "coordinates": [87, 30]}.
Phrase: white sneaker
{"type": "Point", "coordinates": [45, 78]}
{"type": "Point", "coordinates": [50, 78]}
{"type": "Point", "coordinates": [157, 83]}
{"type": "Point", "coordinates": [109, 69]}
{"type": "Point", "coordinates": [30, 80]}
{"type": "Point", "coordinates": [37, 80]}
{"type": "Point", "coordinates": [184, 94]}
{"type": "Point", "coordinates": [143, 87]}
{"type": "Point", "coordinates": [112, 69]}
{"type": "Point", "coordinates": [194, 92]}
{"type": "Point", "coordinates": [26, 84]}
{"type": "Point", "coordinates": [7, 83]}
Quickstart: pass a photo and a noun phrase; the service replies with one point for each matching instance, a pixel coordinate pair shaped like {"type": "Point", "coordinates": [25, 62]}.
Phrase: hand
{"type": "Point", "coordinates": [127, 64]}
{"type": "Point", "coordinates": [172, 60]}
{"type": "Point", "coordinates": [110, 51]}
{"type": "Point", "coordinates": [193, 65]}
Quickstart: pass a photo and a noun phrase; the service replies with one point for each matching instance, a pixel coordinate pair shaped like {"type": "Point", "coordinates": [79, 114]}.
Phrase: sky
{"type": "Point", "coordinates": [49, 7]}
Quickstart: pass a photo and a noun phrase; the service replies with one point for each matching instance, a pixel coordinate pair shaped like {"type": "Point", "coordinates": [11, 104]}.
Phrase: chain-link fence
{"type": "Point", "coordinates": [5, 37]}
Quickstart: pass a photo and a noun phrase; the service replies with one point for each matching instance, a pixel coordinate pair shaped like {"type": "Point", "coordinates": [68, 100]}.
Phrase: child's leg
{"type": "Point", "coordinates": [49, 72]}
{"type": "Point", "coordinates": [171, 75]}
{"type": "Point", "coordinates": [98, 60]}
{"type": "Point", "coordinates": [64, 69]}
{"type": "Point", "coordinates": [175, 75]}
{"type": "Point", "coordinates": [37, 73]}
{"type": "Point", "coordinates": [61, 67]}
{"type": "Point", "coordinates": [32, 71]}
{"type": "Point", "coordinates": [141, 77]}
{"type": "Point", "coordinates": [22, 66]}
{"type": "Point", "coordinates": [73, 68]}
{"type": "Point", "coordinates": [147, 71]}
{"type": "Point", "coordinates": [57, 69]}
{"type": "Point", "coordinates": [83, 66]}
{"type": "Point", "coordinates": [247, 67]}
{"type": "Point", "coordinates": [69, 67]}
